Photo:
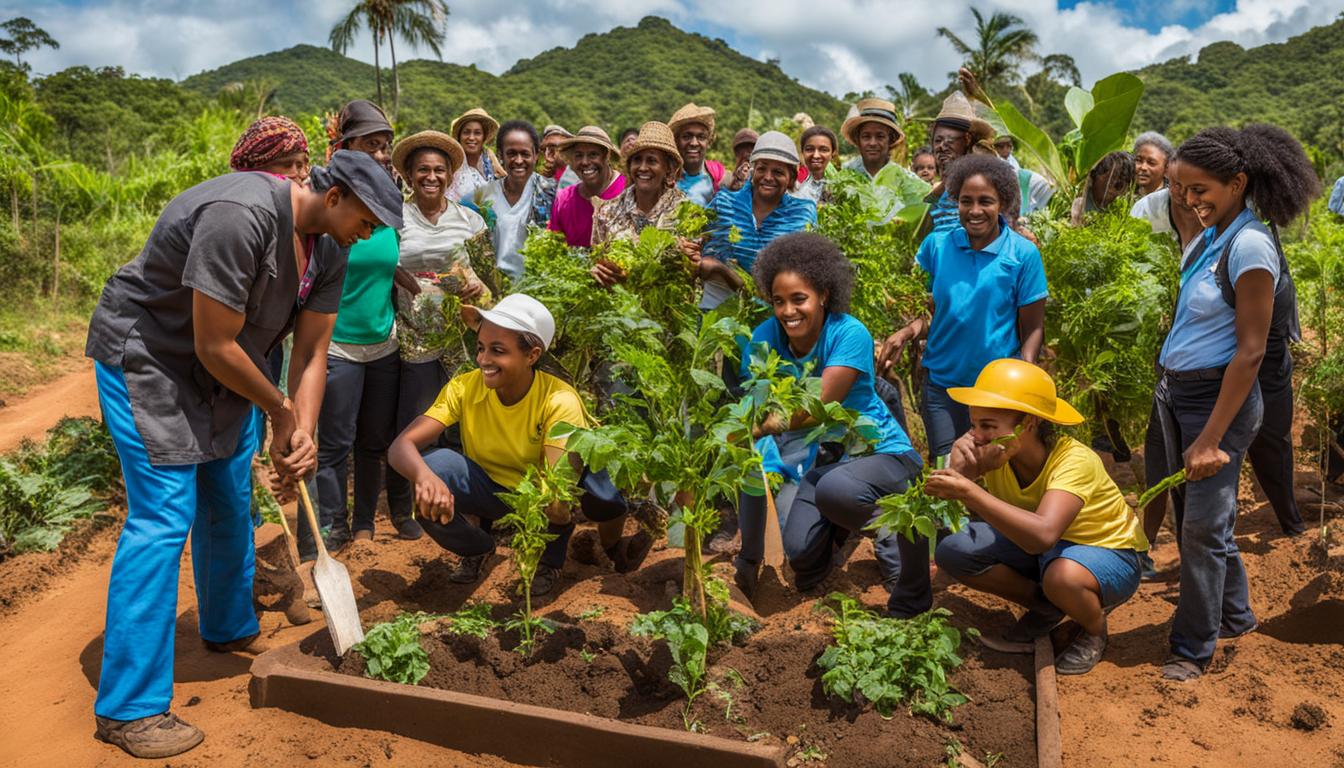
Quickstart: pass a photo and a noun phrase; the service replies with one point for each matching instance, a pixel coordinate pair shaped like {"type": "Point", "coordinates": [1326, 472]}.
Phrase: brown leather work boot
{"type": "Point", "coordinates": [156, 736]}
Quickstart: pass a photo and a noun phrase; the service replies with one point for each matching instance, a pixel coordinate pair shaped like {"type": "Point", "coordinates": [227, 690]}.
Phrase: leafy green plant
{"type": "Point", "coordinates": [528, 502]}
{"type": "Point", "coordinates": [1163, 485]}
{"type": "Point", "coordinates": [472, 620]}
{"type": "Point", "coordinates": [392, 650]}
{"type": "Point", "coordinates": [46, 488]}
{"type": "Point", "coordinates": [914, 512]}
{"type": "Point", "coordinates": [1101, 119]}
{"type": "Point", "coordinates": [888, 662]}
{"type": "Point", "coordinates": [687, 639]}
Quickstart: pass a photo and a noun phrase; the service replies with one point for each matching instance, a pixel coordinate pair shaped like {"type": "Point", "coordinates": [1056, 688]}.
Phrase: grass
{"type": "Point", "coordinates": [36, 342]}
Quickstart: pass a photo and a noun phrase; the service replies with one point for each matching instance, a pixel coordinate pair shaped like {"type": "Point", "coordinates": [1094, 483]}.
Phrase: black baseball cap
{"type": "Point", "coordinates": [368, 179]}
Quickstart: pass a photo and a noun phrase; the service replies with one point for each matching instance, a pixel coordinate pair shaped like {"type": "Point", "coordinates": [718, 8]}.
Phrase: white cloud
{"type": "Point", "coordinates": [847, 45]}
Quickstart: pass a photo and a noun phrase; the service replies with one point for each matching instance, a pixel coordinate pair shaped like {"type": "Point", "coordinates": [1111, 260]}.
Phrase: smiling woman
{"type": "Point", "coordinates": [521, 199]}
{"type": "Point", "coordinates": [651, 195]}
{"type": "Point", "coordinates": [589, 153]}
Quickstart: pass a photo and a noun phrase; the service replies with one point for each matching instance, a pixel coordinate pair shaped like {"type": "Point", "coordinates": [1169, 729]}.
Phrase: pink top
{"type": "Point", "coordinates": [572, 214]}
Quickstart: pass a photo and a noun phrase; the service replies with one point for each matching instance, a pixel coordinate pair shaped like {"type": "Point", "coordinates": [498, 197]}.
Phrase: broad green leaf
{"type": "Point", "coordinates": [1035, 140]}
{"type": "Point", "coordinates": [1078, 103]}
{"type": "Point", "coordinates": [1106, 125]}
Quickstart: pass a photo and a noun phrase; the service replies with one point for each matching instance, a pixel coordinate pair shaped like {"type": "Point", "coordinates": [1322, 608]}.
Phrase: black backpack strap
{"type": "Point", "coordinates": [1285, 321]}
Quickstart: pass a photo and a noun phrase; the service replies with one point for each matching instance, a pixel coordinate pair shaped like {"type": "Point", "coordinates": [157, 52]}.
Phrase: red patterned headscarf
{"type": "Point", "coordinates": [266, 140]}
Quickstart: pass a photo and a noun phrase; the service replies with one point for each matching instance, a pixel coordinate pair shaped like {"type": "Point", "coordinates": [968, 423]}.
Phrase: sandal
{"type": "Point", "coordinates": [1181, 669]}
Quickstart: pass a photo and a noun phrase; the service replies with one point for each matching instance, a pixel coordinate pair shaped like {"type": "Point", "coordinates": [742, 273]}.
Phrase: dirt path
{"type": "Point", "coordinates": [73, 394]}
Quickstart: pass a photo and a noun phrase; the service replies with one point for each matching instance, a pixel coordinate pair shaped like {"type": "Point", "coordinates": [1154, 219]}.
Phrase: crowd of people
{"type": "Point", "coordinates": [353, 259]}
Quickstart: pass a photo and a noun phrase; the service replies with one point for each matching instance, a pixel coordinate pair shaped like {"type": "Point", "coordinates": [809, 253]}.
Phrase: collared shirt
{"type": "Point", "coordinates": [232, 239]}
{"type": "Point", "coordinates": [509, 223]}
{"type": "Point", "coordinates": [1155, 208]}
{"type": "Point", "coordinates": [621, 218]}
{"type": "Point", "coordinates": [1336, 204]}
{"type": "Point", "coordinates": [573, 212]}
{"type": "Point", "coordinates": [735, 214]}
{"type": "Point", "coordinates": [976, 296]}
{"type": "Point", "coordinates": [844, 342]}
{"type": "Point", "coordinates": [506, 439]}
{"type": "Point", "coordinates": [1203, 333]}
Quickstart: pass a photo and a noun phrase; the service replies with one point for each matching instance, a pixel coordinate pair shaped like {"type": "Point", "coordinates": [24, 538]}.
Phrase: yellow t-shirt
{"type": "Point", "coordinates": [1105, 519]}
{"type": "Point", "coordinates": [505, 439]}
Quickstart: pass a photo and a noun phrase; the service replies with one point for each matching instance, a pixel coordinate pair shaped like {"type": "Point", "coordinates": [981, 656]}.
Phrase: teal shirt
{"type": "Point", "coordinates": [366, 312]}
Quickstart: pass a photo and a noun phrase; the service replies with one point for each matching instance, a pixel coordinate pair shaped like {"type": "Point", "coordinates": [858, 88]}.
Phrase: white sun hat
{"type": "Point", "coordinates": [516, 312]}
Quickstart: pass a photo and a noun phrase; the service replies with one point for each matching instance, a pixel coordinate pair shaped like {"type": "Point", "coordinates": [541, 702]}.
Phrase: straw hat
{"type": "Point", "coordinates": [957, 111]}
{"type": "Point", "coordinates": [402, 152]}
{"type": "Point", "coordinates": [490, 124]}
{"type": "Point", "coordinates": [773, 145]}
{"type": "Point", "coordinates": [590, 134]}
{"type": "Point", "coordinates": [692, 114]}
{"type": "Point", "coordinates": [878, 111]}
{"type": "Point", "coordinates": [655, 135]}
{"type": "Point", "coordinates": [1017, 385]}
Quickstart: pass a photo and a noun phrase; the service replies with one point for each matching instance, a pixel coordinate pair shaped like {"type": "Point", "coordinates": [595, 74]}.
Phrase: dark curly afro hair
{"type": "Point", "coordinates": [1280, 180]}
{"type": "Point", "coordinates": [817, 259]}
{"type": "Point", "coordinates": [999, 174]}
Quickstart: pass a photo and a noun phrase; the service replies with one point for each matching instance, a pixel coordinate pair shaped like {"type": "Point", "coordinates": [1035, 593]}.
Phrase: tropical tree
{"type": "Point", "coordinates": [1062, 68]}
{"type": "Point", "coordinates": [908, 95]}
{"type": "Point", "coordinates": [1002, 42]}
{"type": "Point", "coordinates": [418, 22]}
{"type": "Point", "coordinates": [24, 36]}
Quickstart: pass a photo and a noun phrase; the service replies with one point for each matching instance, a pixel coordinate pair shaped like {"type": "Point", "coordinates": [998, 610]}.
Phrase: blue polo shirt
{"type": "Point", "coordinates": [1204, 333]}
{"type": "Point", "coordinates": [733, 209]}
{"type": "Point", "coordinates": [845, 342]}
{"type": "Point", "coordinates": [976, 295]}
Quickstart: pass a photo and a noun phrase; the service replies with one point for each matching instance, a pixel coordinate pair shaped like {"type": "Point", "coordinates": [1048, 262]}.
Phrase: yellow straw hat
{"type": "Point", "coordinates": [402, 152]}
{"type": "Point", "coordinates": [959, 112]}
{"type": "Point", "coordinates": [589, 134]}
{"type": "Point", "coordinates": [490, 124]}
{"type": "Point", "coordinates": [1017, 385]}
{"type": "Point", "coordinates": [655, 135]}
{"type": "Point", "coordinates": [691, 113]}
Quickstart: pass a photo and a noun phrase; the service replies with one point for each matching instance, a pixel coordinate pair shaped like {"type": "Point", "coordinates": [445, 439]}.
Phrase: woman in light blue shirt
{"type": "Point", "coordinates": [1208, 400]}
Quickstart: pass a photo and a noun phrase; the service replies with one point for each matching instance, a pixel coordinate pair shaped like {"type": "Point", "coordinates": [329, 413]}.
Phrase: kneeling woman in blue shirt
{"type": "Point", "coordinates": [1208, 402]}
{"type": "Point", "coordinates": [808, 282]}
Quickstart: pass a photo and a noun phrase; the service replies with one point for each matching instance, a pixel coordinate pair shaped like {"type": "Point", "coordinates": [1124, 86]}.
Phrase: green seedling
{"type": "Point", "coordinates": [535, 493]}
{"type": "Point", "coordinates": [594, 612]}
{"type": "Point", "coordinates": [688, 640]}
{"type": "Point", "coordinates": [392, 650]}
{"type": "Point", "coordinates": [1166, 484]}
{"type": "Point", "coordinates": [913, 512]}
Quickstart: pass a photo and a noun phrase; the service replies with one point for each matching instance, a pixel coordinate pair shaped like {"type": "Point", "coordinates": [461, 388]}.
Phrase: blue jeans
{"type": "Point", "coordinates": [1214, 592]}
{"type": "Point", "coordinates": [944, 418]}
{"type": "Point", "coordinates": [358, 417]}
{"type": "Point", "coordinates": [979, 547]}
{"type": "Point", "coordinates": [474, 493]}
{"type": "Point", "coordinates": [212, 501]}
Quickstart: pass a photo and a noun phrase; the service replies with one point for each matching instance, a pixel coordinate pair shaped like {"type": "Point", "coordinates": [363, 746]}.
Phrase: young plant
{"type": "Point", "coordinates": [687, 639]}
{"type": "Point", "coordinates": [1164, 485]}
{"type": "Point", "coordinates": [535, 493]}
{"type": "Point", "coordinates": [888, 662]}
{"type": "Point", "coordinates": [392, 650]}
{"type": "Point", "coordinates": [915, 512]}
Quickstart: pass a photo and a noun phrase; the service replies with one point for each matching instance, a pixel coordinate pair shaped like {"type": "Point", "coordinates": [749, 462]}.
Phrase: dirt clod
{"type": "Point", "coordinates": [1309, 717]}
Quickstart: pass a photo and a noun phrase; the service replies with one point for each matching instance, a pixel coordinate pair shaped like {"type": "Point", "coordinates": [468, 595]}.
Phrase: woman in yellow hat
{"type": "Point", "coordinates": [1054, 533]}
{"type": "Point", "coordinates": [474, 130]}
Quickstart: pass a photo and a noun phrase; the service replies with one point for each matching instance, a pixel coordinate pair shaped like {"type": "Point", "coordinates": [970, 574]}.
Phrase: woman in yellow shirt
{"type": "Point", "coordinates": [1054, 532]}
{"type": "Point", "coordinates": [506, 409]}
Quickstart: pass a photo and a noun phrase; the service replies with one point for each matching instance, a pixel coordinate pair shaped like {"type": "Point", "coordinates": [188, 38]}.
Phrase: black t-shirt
{"type": "Point", "coordinates": [231, 238]}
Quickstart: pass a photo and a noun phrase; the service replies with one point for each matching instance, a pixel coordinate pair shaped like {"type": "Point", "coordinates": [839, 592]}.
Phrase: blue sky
{"type": "Point", "coordinates": [836, 45]}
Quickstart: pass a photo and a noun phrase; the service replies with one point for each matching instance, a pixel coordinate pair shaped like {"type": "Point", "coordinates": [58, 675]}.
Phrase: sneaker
{"type": "Point", "coordinates": [468, 569]}
{"type": "Point", "coordinates": [1227, 633]}
{"type": "Point", "coordinates": [1082, 655]}
{"type": "Point", "coordinates": [1147, 570]}
{"type": "Point", "coordinates": [544, 580]}
{"type": "Point", "coordinates": [409, 529]}
{"type": "Point", "coordinates": [153, 737]}
{"type": "Point", "coordinates": [1181, 669]}
{"type": "Point", "coordinates": [629, 553]}
{"type": "Point", "coordinates": [337, 541]}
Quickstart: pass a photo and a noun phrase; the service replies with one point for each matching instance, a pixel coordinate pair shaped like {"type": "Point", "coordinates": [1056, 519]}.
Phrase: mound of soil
{"type": "Point", "coordinates": [766, 689]}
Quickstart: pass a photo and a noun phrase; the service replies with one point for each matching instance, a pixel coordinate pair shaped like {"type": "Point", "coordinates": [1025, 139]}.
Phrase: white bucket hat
{"type": "Point", "coordinates": [516, 312]}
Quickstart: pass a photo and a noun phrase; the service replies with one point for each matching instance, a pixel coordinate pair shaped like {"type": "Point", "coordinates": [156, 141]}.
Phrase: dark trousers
{"type": "Point", "coordinates": [419, 384]}
{"type": "Point", "coordinates": [1271, 453]}
{"type": "Point", "coordinates": [1214, 594]}
{"type": "Point", "coordinates": [835, 501]}
{"type": "Point", "coordinates": [358, 417]}
{"type": "Point", "coordinates": [944, 420]}
{"type": "Point", "coordinates": [474, 493]}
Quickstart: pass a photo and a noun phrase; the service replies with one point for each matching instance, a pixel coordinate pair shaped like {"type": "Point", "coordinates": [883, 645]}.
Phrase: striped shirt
{"type": "Point", "coordinates": [734, 212]}
{"type": "Point", "coordinates": [944, 213]}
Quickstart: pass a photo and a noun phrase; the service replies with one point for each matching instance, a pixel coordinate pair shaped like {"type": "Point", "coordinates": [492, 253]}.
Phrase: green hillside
{"type": "Point", "coordinates": [1293, 84]}
{"type": "Point", "coordinates": [617, 79]}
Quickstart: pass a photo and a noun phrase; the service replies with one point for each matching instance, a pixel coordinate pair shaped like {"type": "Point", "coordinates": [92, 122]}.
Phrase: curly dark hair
{"type": "Point", "coordinates": [999, 174]}
{"type": "Point", "coordinates": [1119, 166]}
{"type": "Point", "coordinates": [1280, 180]}
{"type": "Point", "coordinates": [815, 258]}
{"type": "Point", "coordinates": [924, 150]}
{"type": "Point", "coordinates": [819, 130]}
{"type": "Point", "coordinates": [522, 126]}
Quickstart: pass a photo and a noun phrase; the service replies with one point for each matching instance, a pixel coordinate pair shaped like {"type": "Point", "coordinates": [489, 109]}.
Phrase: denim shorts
{"type": "Point", "coordinates": [978, 547]}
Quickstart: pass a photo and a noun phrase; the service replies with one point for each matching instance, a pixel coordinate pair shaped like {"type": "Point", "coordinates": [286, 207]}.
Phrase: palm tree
{"type": "Point", "coordinates": [1002, 43]}
{"type": "Point", "coordinates": [418, 22]}
{"type": "Point", "coordinates": [1061, 67]}
{"type": "Point", "coordinates": [908, 95]}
